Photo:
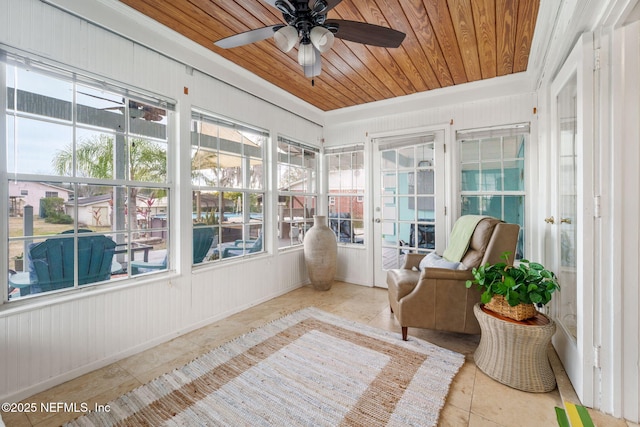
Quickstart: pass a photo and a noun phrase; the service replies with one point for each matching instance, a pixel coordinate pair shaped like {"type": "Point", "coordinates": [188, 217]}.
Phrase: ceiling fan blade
{"type": "Point", "coordinates": [247, 37]}
{"type": "Point", "coordinates": [316, 68]}
{"type": "Point", "coordinates": [362, 32]}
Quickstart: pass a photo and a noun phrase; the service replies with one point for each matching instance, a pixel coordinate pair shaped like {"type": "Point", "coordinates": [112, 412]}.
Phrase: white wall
{"type": "Point", "coordinates": [50, 339]}
{"type": "Point", "coordinates": [619, 294]}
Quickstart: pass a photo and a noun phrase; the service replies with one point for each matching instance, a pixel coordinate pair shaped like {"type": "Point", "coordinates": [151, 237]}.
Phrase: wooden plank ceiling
{"type": "Point", "coordinates": [448, 42]}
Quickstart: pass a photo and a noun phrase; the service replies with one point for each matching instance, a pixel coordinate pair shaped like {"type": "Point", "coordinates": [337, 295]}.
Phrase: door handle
{"type": "Point", "coordinates": [377, 220]}
{"type": "Point", "coordinates": [565, 220]}
{"type": "Point", "coordinates": [550, 220]}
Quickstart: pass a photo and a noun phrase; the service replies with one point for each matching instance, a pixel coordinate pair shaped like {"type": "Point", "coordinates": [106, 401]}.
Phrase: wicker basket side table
{"type": "Point", "coordinates": [515, 353]}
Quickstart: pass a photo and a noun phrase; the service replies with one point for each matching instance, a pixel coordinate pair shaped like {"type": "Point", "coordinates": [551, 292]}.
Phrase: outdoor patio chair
{"type": "Point", "coordinates": [243, 247]}
{"type": "Point", "coordinates": [51, 263]}
{"type": "Point", "coordinates": [340, 224]}
{"type": "Point", "coordinates": [203, 239]}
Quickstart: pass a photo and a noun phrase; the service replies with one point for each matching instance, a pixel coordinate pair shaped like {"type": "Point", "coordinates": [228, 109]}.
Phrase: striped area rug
{"type": "Point", "coordinates": [310, 368]}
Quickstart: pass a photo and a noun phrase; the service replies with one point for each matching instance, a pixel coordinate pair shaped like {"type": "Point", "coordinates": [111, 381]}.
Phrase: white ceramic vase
{"type": "Point", "coordinates": [320, 253]}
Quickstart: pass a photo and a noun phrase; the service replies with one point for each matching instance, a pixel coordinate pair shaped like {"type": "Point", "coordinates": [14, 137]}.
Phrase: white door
{"type": "Point", "coordinates": [569, 223]}
{"type": "Point", "coordinates": [408, 197]}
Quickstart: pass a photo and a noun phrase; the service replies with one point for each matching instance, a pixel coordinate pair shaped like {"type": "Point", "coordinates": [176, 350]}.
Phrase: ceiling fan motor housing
{"type": "Point", "coordinates": [303, 17]}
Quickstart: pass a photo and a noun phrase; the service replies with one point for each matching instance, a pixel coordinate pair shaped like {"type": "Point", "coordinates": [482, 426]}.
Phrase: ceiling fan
{"type": "Point", "coordinates": [307, 23]}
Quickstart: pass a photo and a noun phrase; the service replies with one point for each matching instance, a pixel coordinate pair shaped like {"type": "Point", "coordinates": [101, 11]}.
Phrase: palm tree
{"type": "Point", "coordinates": [95, 159]}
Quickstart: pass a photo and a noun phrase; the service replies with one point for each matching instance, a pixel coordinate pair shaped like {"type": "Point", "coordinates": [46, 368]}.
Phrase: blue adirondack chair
{"type": "Point", "coordinates": [203, 238]}
{"type": "Point", "coordinates": [51, 262]}
{"type": "Point", "coordinates": [243, 247]}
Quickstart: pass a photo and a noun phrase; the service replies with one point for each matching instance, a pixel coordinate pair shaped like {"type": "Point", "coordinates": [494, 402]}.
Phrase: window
{"type": "Point", "coordinates": [228, 189]}
{"type": "Point", "coordinates": [297, 190]}
{"type": "Point", "coordinates": [89, 161]}
{"type": "Point", "coordinates": [345, 168]}
{"type": "Point", "coordinates": [492, 168]}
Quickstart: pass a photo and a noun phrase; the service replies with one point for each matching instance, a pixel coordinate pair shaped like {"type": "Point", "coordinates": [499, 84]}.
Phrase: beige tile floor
{"type": "Point", "coordinates": [474, 399]}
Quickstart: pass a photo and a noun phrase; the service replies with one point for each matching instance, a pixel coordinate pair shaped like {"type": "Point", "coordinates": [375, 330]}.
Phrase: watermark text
{"type": "Point", "coordinates": [53, 407]}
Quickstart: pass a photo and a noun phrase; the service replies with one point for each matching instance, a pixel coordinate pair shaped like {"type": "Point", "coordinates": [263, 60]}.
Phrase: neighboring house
{"type": "Point", "coordinates": [94, 210]}
{"type": "Point", "coordinates": [337, 188]}
{"type": "Point", "coordinates": [97, 210]}
{"type": "Point", "coordinates": [23, 193]}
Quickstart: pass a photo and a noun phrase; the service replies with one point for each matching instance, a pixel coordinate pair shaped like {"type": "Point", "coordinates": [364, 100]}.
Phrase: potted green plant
{"type": "Point", "coordinates": [514, 291]}
{"type": "Point", "coordinates": [18, 262]}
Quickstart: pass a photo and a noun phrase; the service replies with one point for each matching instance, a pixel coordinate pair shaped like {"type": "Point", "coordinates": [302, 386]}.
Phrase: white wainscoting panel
{"type": "Point", "coordinates": [354, 265]}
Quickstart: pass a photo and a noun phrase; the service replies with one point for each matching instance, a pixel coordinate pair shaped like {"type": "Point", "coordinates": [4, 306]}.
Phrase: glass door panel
{"type": "Point", "coordinates": [567, 206]}
{"type": "Point", "coordinates": [406, 199]}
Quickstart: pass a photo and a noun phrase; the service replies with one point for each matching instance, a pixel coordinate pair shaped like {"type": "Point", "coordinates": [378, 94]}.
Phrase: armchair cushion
{"type": "Point", "coordinates": [479, 243]}
{"type": "Point", "coordinates": [433, 260]}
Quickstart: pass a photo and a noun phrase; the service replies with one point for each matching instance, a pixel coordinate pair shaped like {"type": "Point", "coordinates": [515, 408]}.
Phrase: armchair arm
{"type": "Point", "coordinates": [412, 260]}
{"type": "Point", "coordinates": [446, 274]}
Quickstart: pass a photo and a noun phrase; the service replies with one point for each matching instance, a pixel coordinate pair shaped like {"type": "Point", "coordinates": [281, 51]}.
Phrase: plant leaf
{"type": "Point", "coordinates": [486, 297]}
{"type": "Point", "coordinates": [513, 298]}
{"type": "Point", "coordinates": [509, 282]}
{"type": "Point", "coordinates": [536, 298]}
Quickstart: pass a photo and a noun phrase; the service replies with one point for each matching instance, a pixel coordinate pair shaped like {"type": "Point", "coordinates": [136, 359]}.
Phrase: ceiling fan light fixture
{"type": "Point", "coordinates": [306, 54]}
{"type": "Point", "coordinates": [321, 38]}
{"type": "Point", "coordinates": [286, 38]}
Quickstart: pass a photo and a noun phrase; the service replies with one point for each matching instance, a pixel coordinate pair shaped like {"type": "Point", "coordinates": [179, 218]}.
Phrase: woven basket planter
{"type": "Point", "coordinates": [519, 312]}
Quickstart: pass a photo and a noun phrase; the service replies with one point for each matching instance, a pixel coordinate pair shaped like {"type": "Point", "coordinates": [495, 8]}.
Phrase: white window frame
{"type": "Point", "coordinates": [294, 221]}
{"type": "Point", "coordinates": [520, 130]}
{"type": "Point", "coordinates": [77, 78]}
{"type": "Point", "coordinates": [246, 236]}
{"type": "Point", "coordinates": [344, 228]}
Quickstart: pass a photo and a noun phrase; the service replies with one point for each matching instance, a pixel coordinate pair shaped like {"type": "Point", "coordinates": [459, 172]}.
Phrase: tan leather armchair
{"type": "Point", "coordinates": [437, 298]}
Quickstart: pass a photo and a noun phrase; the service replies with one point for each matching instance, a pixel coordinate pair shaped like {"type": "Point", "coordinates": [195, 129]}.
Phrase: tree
{"type": "Point", "coordinates": [95, 159]}
{"type": "Point", "coordinates": [147, 161]}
